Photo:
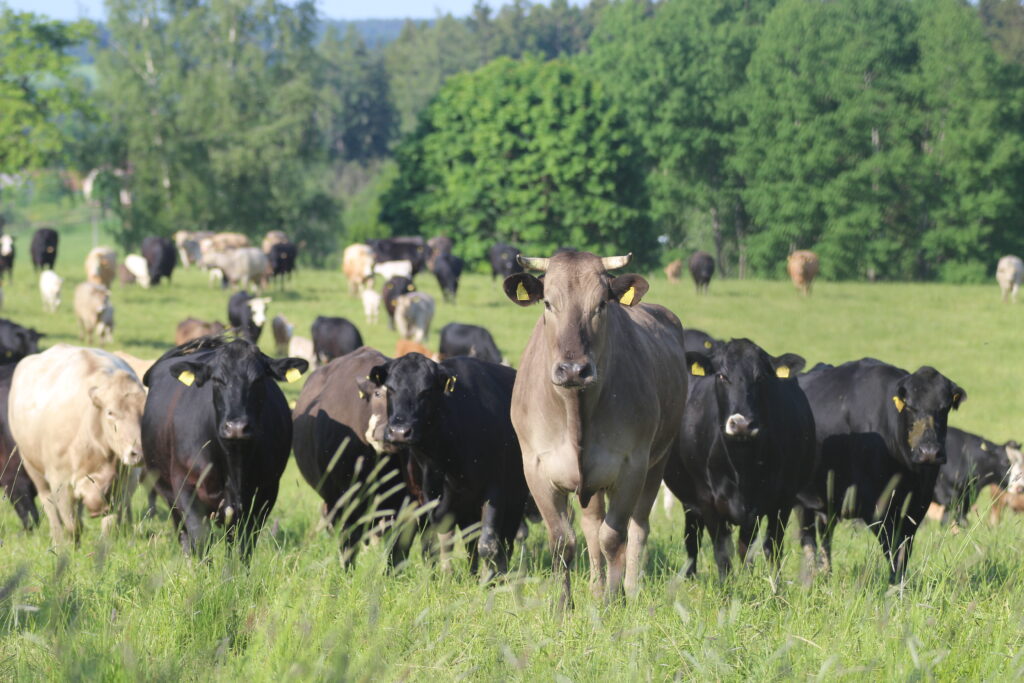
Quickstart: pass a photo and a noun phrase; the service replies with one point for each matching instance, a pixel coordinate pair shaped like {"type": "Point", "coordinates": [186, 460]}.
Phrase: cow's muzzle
{"type": "Point", "coordinates": [573, 375]}
{"type": "Point", "coordinates": [928, 454]}
{"type": "Point", "coordinates": [236, 429]}
{"type": "Point", "coordinates": [741, 427]}
{"type": "Point", "coordinates": [398, 433]}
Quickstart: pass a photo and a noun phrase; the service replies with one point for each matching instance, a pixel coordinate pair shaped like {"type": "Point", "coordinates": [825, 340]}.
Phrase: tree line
{"type": "Point", "coordinates": [883, 134]}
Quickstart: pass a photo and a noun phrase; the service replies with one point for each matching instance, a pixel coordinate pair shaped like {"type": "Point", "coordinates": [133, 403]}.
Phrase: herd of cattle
{"type": "Point", "coordinates": [613, 399]}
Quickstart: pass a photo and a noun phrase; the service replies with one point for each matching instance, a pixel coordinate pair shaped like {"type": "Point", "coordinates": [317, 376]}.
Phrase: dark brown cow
{"type": "Point", "coordinates": [596, 406]}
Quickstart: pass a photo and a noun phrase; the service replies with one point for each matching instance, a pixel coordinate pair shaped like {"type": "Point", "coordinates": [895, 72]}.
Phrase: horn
{"type": "Point", "coordinates": [540, 264]}
{"type": "Point", "coordinates": [613, 262]}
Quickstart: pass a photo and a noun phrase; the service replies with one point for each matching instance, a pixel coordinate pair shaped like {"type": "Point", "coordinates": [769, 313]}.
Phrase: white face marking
{"type": "Point", "coordinates": [6, 244]}
{"type": "Point", "coordinates": [1015, 477]}
{"type": "Point", "coordinates": [259, 310]}
{"type": "Point", "coordinates": [371, 427]}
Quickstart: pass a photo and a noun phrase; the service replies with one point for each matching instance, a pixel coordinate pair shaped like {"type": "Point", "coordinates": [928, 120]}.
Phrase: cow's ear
{"type": "Point", "coordinates": [94, 396]}
{"type": "Point", "coordinates": [699, 364]}
{"type": "Point", "coordinates": [446, 380]}
{"type": "Point", "coordinates": [629, 289]}
{"type": "Point", "coordinates": [189, 373]}
{"type": "Point", "coordinates": [959, 396]}
{"type": "Point", "coordinates": [365, 387]}
{"type": "Point", "coordinates": [788, 364]}
{"type": "Point", "coordinates": [287, 369]}
{"type": "Point", "coordinates": [523, 289]}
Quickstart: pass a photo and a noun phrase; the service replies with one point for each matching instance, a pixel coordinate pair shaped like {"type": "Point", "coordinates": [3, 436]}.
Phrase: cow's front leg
{"type": "Point", "coordinates": [553, 505]}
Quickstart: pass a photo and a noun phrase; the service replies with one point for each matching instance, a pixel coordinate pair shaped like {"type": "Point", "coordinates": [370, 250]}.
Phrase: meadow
{"type": "Point", "coordinates": [132, 607]}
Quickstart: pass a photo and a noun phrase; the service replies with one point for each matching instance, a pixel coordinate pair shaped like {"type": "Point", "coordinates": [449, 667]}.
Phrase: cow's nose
{"type": "Point", "coordinates": [929, 453]}
{"type": "Point", "coordinates": [570, 374]}
{"type": "Point", "coordinates": [398, 432]}
{"type": "Point", "coordinates": [235, 429]}
{"type": "Point", "coordinates": [741, 426]}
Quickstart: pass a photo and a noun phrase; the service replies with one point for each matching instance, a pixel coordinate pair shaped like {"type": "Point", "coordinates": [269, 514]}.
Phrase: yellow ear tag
{"type": "Point", "coordinates": [521, 293]}
{"type": "Point", "coordinates": [782, 371]}
{"type": "Point", "coordinates": [627, 298]}
{"type": "Point", "coordinates": [899, 404]}
{"type": "Point", "coordinates": [187, 378]}
{"type": "Point", "coordinates": [361, 394]}
{"type": "Point", "coordinates": [983, 446]}
{"type": "Point", "coordinates": [708, 345]}
{"type": "Point", "coordinates": [697, 370]}
{"type": "Point", "coordinates": [449, 386]}
{"type": "Point", "coordinates": [292, 375]}
{"type": "Point", "coordinates": [409, 288]}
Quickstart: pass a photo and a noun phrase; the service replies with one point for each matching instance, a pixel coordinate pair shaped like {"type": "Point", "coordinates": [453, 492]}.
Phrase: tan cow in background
{"type": "Point", "coordinates": [357, 263]}
{"type": "Point", "coordinates": [101, 266]}
{"type": "Point", "coordinates": [75, 414]}
{"type": "Point", "coordinates": [192, 328]}
{"type": "Point", "coordinates": [94, 312]}
{"type": "Point", "coordinates": [803, 268]}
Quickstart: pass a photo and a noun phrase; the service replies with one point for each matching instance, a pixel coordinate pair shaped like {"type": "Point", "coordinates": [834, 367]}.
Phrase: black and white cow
{"type": "Point", "coordinates": [161, 256]}
{"type": "Point", "coordinates": [247, 314]}
{"type": "Point", "coordinates": [973, 462]}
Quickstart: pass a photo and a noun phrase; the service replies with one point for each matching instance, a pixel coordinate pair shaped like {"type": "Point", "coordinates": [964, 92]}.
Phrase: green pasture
{"type": "Point", "coordinates": [133, 608]}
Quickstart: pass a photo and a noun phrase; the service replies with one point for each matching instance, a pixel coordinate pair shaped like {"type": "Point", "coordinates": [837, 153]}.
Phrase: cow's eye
{"type": "Point", "coordinates": [547, 304]}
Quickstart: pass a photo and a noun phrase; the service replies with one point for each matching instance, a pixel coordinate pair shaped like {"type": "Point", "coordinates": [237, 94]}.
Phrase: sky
{"type": "Point", "coordinates": [332, 9]}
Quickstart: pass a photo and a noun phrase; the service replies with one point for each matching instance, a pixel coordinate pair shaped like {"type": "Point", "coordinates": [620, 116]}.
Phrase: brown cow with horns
{"type": "Point", "coordinates": [596, 405]}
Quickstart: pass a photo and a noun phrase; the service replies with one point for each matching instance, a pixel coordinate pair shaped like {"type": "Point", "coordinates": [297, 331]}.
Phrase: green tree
{"type": "Point", "coordinates": [38, 92]}
{"type": "Point", "coordinates": [527, 152]}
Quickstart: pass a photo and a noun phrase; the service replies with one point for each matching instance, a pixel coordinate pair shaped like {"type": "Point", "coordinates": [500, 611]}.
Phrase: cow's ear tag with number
{"type": "Point", "coordinates": [187, 378]}
{"type": "Point", "coordinates": [782, 371]}
{"type": "Point", "coordinates": [627, 298]}
{"type": "Point", "coordinates": [521, 292]}
{"type": "Point", "coordinates": [900, 405]}
{"type": "Point", "coordinates": [449, 386]}
{"type": "Point", "coordinates": [707, 344]}
{"type": "Point", "coordinates": [697, 370]}
{"type": "Point", "coordinates": [292, 375]}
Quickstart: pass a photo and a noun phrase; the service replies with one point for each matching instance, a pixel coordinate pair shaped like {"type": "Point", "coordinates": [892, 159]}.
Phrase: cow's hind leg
{"type": "Point", "coordinates": [622, 504]}
{"type": "Point", "coordinates": [773, 537]}
{"type": "Point", "coordinates": [593, 517]}
{"type": "Point", "coordinates": [692, 534]}
{"type": "Point", "coordinates": [721, 538]}
{"type": "Point", "coordinates": [640, 528]}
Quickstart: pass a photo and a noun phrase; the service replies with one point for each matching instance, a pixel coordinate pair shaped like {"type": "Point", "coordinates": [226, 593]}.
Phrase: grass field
{"type": "Point", "coordinates": [134, 608]}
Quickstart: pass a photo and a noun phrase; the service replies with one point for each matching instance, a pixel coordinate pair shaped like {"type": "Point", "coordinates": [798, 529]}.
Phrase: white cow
{"type": "Point", "coordinates": [75, 414]}
{"type": "Point", "coordinates": [1009, 275]}
{"type": "Point", "coordinates": [371, 305]}
{"type": "Point", "coordinates": [94, 311]}
{"type": "Point", "coordinates": [413, 313]}
{"type": "Point", "coordinates": [139, 268]}
{"type": "Point", "coordinates": [49, 288]}
{"type": "Point", "coordinates": [240, 266]}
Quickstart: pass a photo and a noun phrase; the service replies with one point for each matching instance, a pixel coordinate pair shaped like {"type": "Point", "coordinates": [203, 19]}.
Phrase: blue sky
{"type": "Point", "coordinates": [334, 9]}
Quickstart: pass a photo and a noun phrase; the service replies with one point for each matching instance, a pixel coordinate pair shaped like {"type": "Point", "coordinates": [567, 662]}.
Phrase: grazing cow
{"type": "Point", "coordinates": [412, 249]}
{"type": "Point", "coordinates": [7, 257]}
{"type": "Point", "coordinates": [44, 248]}
{"type": "Point", "coordinates": [217, 433]}
{"type": "Point", "coordinates": [94, 312]}
{"type": "Point", "coordinates": [138, 268]}
{"type": "Point", "coordinates": [75, 413]}
{"type": "Point", "coordinates": [16, 341]}
{"type": "Point", "coordinates": [971, 463]}
{"type": "Point", "coordinates": [673, 270]}
{"type": "Point", "coordinates": [597, 404]}
{"type": "Point", "coordinates": [702, 268]}
{"type": "Point", "coordinates": [371, 305]}
{"type": "Point", "coordinates": [802, 267]}
{"type": "Point", "coordinates": [335, 449]}
{"type": "Point", "coordinates": [273, 237]}
{"type": "Point", "coordinates": [447, 269]}
{"type": "Point", "coordinates": [474, 341]}
{"type": "Point", "coordinates": [881, 435]}
{"type": "Point", "coordinates": [161, 257]}
{"type": "Point", "coordinates": [101, 266]}
{"type": "Point", "coordinates": [239, 266]}
{"type": "Point", "coordinates": [282, 260]}
{"type": "Point", "coordinates": [17, 485]}
{"type": "Point", "coordinates": [393, 269]}
{"type": "Point", "coordinates": [745, 449]}
{"type": "Point", "coordinates": [357, 265]}
{"type": "Point", "coordinates": [49, 288]}
{"type": "Point", "coordinates": [438, 246]}
{"type": "Point", "coordinates": [404, 347]}
{"type": "Point", "coordinates": [394, 288]}
{"type": "Point", "coordinates": [333, 338]}
{"type": "Point", "coordinates": [247, 313]}
{"type": "Point", "coordinates": [413, 313]}
{"type": "Point", "coordinates": [503, 258]}
{"type": "Point", "coordinates": [1009, 275]}
{"type": "Point", "coordinates": [192, 328]}
{"type": "Point", "coordinates": [453, 418]}
{"type": "Point", "coordinates": [283, 331]}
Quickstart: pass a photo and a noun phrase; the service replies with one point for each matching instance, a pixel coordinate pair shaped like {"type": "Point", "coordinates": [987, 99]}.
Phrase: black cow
{"type": "Point", "coordinates": [216, 432]}
{"type": "Point", "coordinates": [702, 267]}
{"type": "Point", "coordinates": [412, 249]}
{"type": "Point", "coordinates": [881, 435]}
{"type": "Point", "coordinates": [745, 451]}
{"type": "Point", "coordinates": [447, 270]}
{"type": "Point", "coordinates": [454, 419]}
{"type": "Point", "coordinates": [503, 260]}
{"type": "Point", "coordinates": [44, 248]}
{"type": "Point", "coordinates": [699, 341]}
{"type": "Point", "coordinates": [973, 462]}
{"type": "Point", "coordinates": [247, 314]}
{"type": "Point", "coordinates": [333, 338]}
{"type": "Point", "coordinates": [474, 341]}
{"type": "Point", "coordinates": [16, 341]}
{"type": "Point", "coordinates": [161, 256]}
{"type": "Point", "coordinates": [335, 451]}
{"type": "Point", "coordinates": [282, 260]}
{"type": "Point", "coordinates": [19, 488]}
{"type": "Point", "coordinates": [394, 288]}
{"type": "Point", "coordinates": [7, 252]}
